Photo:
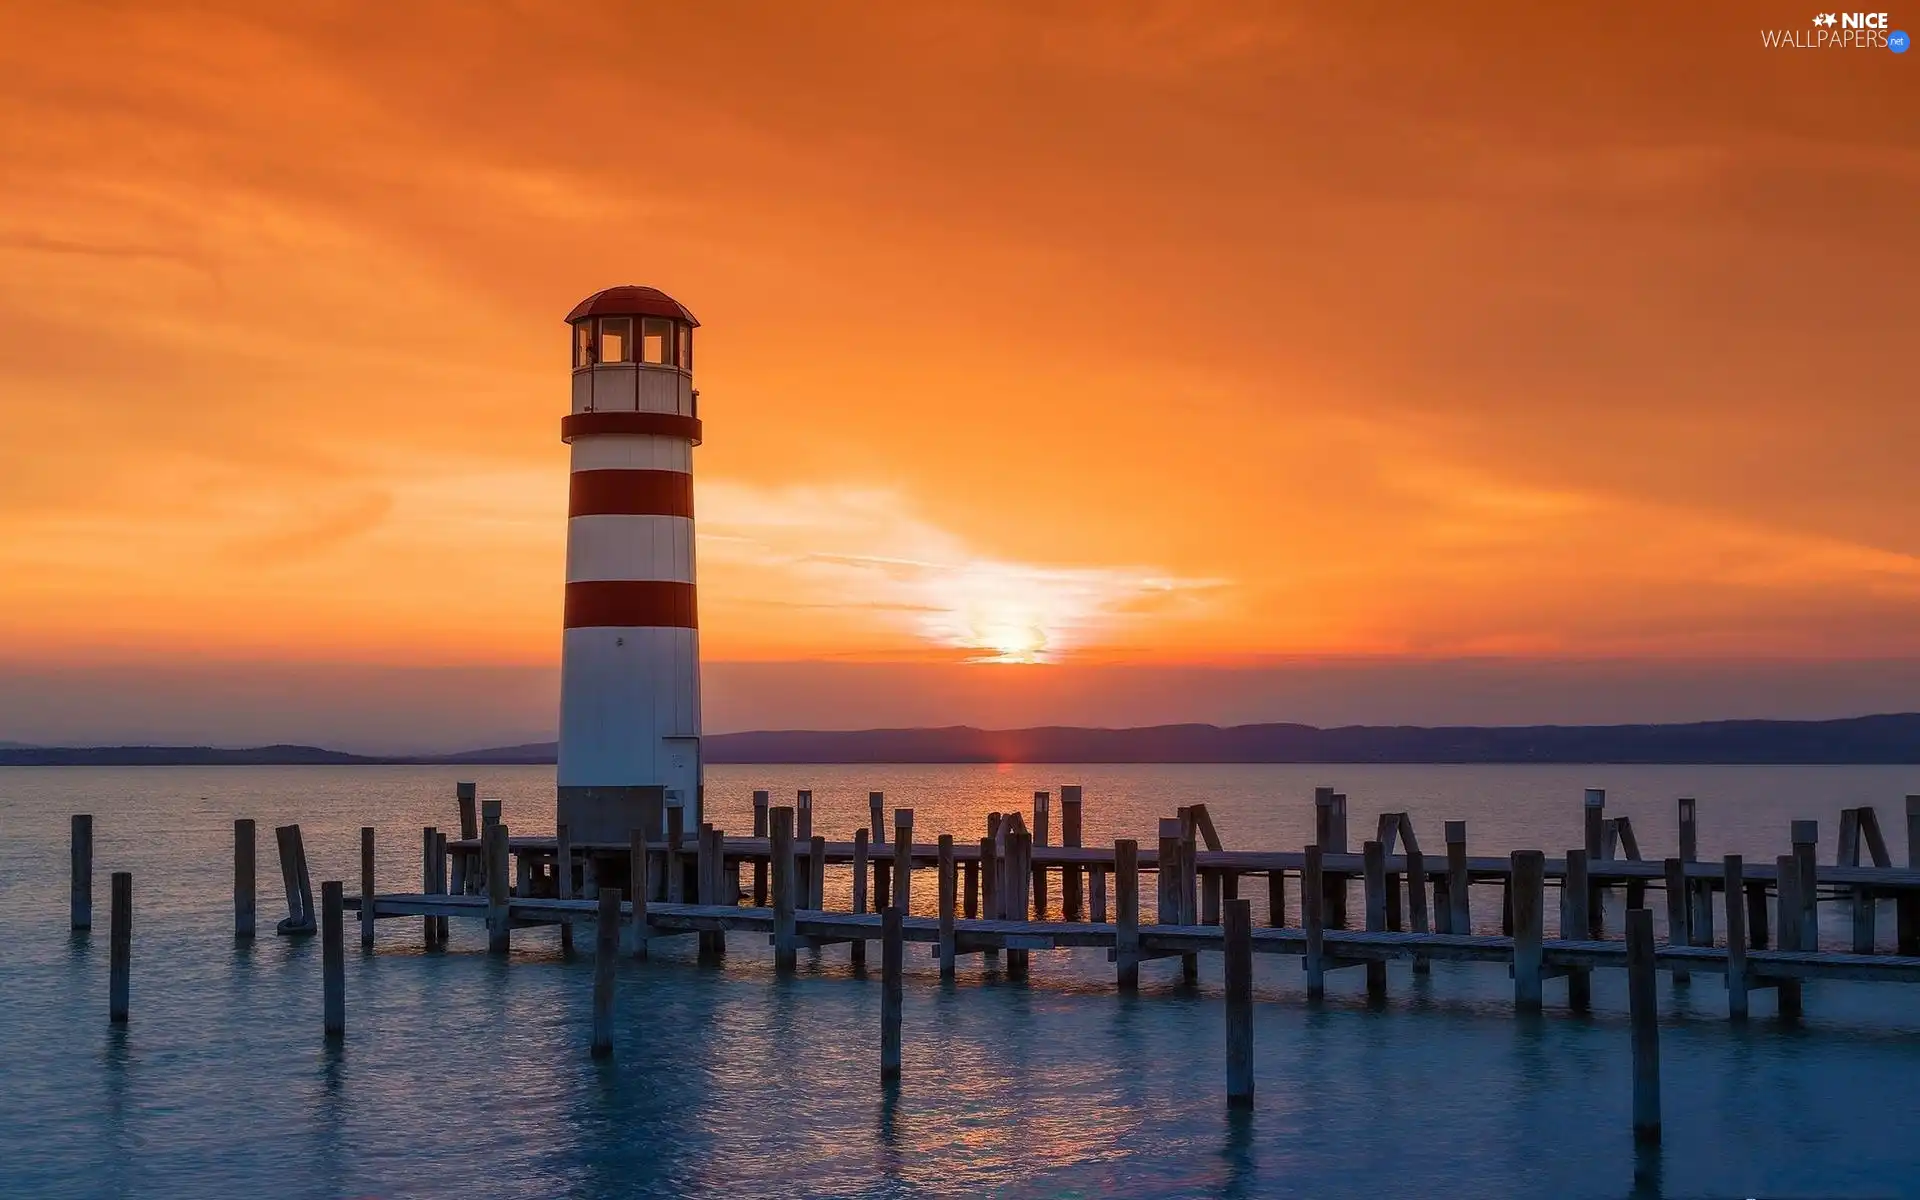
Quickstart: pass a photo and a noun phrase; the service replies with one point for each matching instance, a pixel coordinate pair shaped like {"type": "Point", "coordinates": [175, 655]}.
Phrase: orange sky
{"type": "Point", "coordinates": [1176, 334]}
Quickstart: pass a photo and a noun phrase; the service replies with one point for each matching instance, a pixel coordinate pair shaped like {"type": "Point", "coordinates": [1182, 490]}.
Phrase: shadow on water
{"type": "Point", "coordinates": [119, 1062]}
{"type": "Point", "coordinates": [1236, 1154]}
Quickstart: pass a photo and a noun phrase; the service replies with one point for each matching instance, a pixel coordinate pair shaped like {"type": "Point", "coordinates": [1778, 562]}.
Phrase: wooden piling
{"type": "Point", "coordinates": [1417, 903]}
{"type": "Point", "coordinates": [1019, 879]}
{"type": "Point", "coordinates": [499, 928]}
{"type": "Point", "coordinates": [1699, 892]}
{"type": "Point", "coordinates": [606, 947]}
{"type": "Point", "coordinates": [970, 889]}
{"type": "Point", "coordinates": [563, 879]}
{"type": "Point", "coordinates": [817, 873]}
{"type": "Point", "coordinates": [1733, 876]}
{"type": "Point", "coordinates": [676, 881]}
{"type": "Point", "coordinates": [1528, 890]}
{"type": "Point", "coordinates": [245, 903]}
{"type": "Point", "coordinates": [1126, 896]}
{"type": "Point", "coordinates": [1791, 928]}
{"type": "Point", "coordinates": [1097, 894]}
{"type": "Point", "coordinates": [1575, 894]}
{"type": "Point", "coordinates": [80, 877]}
{"type": "Point", "coordinates": [439, 884]}
{"type": "Point", "coordinates": [333, 959]}
{"type": "Point", "coordinates": [299, 884]}
{"type": "Point", "coordinates": [1461, 912]}
{"type": "Point", "coordinates": [989, 880]}
{"type": "Point", "coordinates": [1313, 899]}
{"type": "Point", "coordinates": [1071, 892]}
{"type": "Point", "coordinates": [903, 860]}
{"type": "Point", "coordinates": [429, 926]}
{"type": "Point", "coordinates": [760, 799]}
{"type": "Point", "coordinates": [639, 886]}
{"type": "Point", "coordinates": [1757, 915]}
{"type": "Point", "coordinates": [463, 867]}
{"type": "Point", "coordinates": [892, 964]}
{"type": "Point", "coordinates": [1806, 835]}
{"type": "Point", "coordinates": [877, 817]}
{"type": "Point", "coordinates": [1594, 812]}
{"type": "Point", "coordinates": [803, 815]}
{"type": "Point", "coordinates": [367, 887]}
{"type": "Point", "coordinates": [119, 946]}
{"type": "Point", "coordinates": [1042, 830]}
{"type": "Point", "coordinates": [1643, 1007]}
{"type": "Point", "coordinates": [1237, 924]}
{"type": "Point", "coordinates": [1677, 916]}
{"type": "Point", "coordinates": [1276, 898]}
{"type": "Point", "coordinates": [857, 952]}
{"type": "Point", "coordinates": [1374, 857]}
{"type": "Point", "coordinates": [719, 891]}
{"type": "Point", "coordinates": [948, 887]}
{"type": "Point", "coordinates": [1168, 874]}
{"type": "Point", "coordinates": [1907, 912]}
{"type": "Point", "coordinates": [781, 834]}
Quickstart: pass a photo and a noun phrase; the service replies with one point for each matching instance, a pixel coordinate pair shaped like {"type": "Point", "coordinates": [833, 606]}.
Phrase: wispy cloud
{"type": "Point", "coordinates": [868, 549]}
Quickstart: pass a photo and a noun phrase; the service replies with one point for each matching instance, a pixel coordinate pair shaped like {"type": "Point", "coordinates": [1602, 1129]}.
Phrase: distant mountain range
{"type": "Point", "coordinates": [1887, 739]}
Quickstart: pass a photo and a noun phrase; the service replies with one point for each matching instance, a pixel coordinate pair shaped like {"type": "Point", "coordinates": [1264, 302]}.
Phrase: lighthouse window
{"type": "Point", "coordinates": [686, 347]}
{"type": "Point", "coordinates": [616, 339]}
{"type": "Point", "coordinates": [656, 340]}
{"type": "Point", "coordinates": [583, 344]}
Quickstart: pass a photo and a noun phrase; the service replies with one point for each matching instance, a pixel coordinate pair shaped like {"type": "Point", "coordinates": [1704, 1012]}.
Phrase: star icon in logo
{"type": "Point", "coordinates": [1827, 19]}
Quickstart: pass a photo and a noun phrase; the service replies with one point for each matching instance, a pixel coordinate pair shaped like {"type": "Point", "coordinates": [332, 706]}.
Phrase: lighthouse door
{"type": "Point", "coordinates": [682, 775]}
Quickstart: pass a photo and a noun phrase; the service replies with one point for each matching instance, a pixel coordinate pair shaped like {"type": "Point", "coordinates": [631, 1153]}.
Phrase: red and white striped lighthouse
{"type": "Point", "coordinates": [630, 664]}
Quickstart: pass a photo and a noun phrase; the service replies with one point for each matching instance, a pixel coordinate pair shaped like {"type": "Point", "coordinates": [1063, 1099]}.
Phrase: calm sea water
{"type": "Point", "coordinates": [465, 1076]}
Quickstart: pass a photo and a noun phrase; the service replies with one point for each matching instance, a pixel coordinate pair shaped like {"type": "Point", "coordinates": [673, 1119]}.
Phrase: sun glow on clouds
{"type": "Point", "coordinates": [867, 551]}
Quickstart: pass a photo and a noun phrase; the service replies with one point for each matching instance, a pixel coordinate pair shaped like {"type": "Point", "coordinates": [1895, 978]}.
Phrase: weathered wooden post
{"type": "Point", "coordinates": [367, 887]}
{"type": "Point", "coordinates": [333, 959]}
{"type": "Point", "coordinates": [1806, 835]}
{"type": "Point", "coordinates": [989, 880]}
{"type": "Point", "coordinates": [816, 873]}
{"type": "Point", "coordinates": [1593, 811]}
{"type": "Point", "coordinates": [1276, 898]}
{"type": "Point", "coordinates": [784, 943]}
{"type": "Point", "coordinates": [499, 926]}
{"type": "Point", "coordinates": [638, 884]}
{"type": "Point", "coordinates": [1070, 888]}
{"type": "Point", "coordinates": [563, 879]}
{"type": "Point", "coordinates": [1643, 1007]}
{"type": "Point", "coordinates": [1677, 933]}
{"type": "Point", "coordinates": [119, 946]}
{"type": "Point", "coordinates": [857, 952]}
{"type": "Point", "coordinates": [489, 817]}
{"type": "Point", "coordinates": [429, 926]}
{"type": "Point", "coordinates": [760, 801]}
{"type": "Point", "coordinates": [713, 942]}
{"type": "Point", "coordinates": [1757, 915]}
{"type": "Point", "coordinates": [892, 963]}
{"type": "Point", "coordinates": [1417, 898]}
{"type": "Point", "coordinates": [676, 881]}
{"type": "Point", "coordinates": [1374, 859]}
{"type": "Point", "coordinates": [877, 817]}
{"type": "Point", "coordinates": [1787, 991]}
{"type": "Point", "coordinates": [244, 891]}
{"type": "Point", "coordinates": [970, 889]}
{"type": "Point", "coordinates": [1733, 877]}
{"type": "Point", "coordinates": [1019, 883]}
{"type": "Point", "coordinates": [1167, 873]}
{"type": "Point", "coordinates": [80, 883]}
{"type": "Point", "coordinates": [948, 882]}
{"type": "Point", "coordinates": [1575, 893]}
{"type": "Point", "coordinates": [1528, 872]}
{"type": "Point", "coordinates": [1237, 925]}
{"type": "Point", "coordinates": [1460, 911]}
{"type": "Point", "coordinates": [1313, 899]}
{"type": "Point", "coordinates": [299, 884]}
{"type": "Point", "coordinates": [803, 815]}
{"type": "Point", "coordinates": [606, 946]}
{"type": "Point", "coordinates": [1097, 893]}
{"type": "Point", "coordinates": [1699, 891]}
{"type": "Point", "coordinates": [903, 860]}
{"type": "Point", "coordinates": [1042, 826]}
{"type": "Point", "coordinates": [464, 866]}
{"type": "Point", "coordinates": [1908, 910]}
{"type": "Point", "coordinates": [1126, 896]}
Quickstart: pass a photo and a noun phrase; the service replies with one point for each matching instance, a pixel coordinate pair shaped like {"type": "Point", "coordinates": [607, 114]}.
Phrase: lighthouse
{"type": "Point", "coordinates": [630, 658]}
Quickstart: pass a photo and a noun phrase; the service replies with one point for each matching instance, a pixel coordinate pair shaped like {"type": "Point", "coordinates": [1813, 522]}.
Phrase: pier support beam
{"type": "Point", "coordinates": [563, 879]}
{"type": "Point", "coordinates": [1529, 918]}
{"type": "Point", "coordinates": [1644, 1014]}
{"type": "Point", "coordinates": [1374, 858]}
{"type": "Point", "coordinates": [892, 964]}
{"type": "Point", "coordinates": [1126, 898]}
{"type": "Point", "coordinates": [1237, 918]}
{"type": "Point", "coordinates": [245, 904]}
{"type": "Point", "coordinates": [606, 947]}
{"type": "Point", "coordinates": [499, 930]}
{"type": "Point", "coordinates": [299, 883]}
{"type": "Point", "coordinates": [948, 881]}
{"type": "Point", "coordinates": [333, 959]}
{"type": "Point", "coordinates": [780, 822]}
{"type": "Point", "coordinates": [1594, 828]}
{"type": "Point", "coordinates": [1791, 926]}
{"type": "Point", "coordinates": [1313, 897]}
{"type": "Point", "coordinates": [1575, 925]}
{"type": "Point", "coordinates": [638, 884]}
{"type": "Point", "coordinates": [1457, 881]}
{"type": "Point", "coordinates": [1908, 910]}
{"type": "Point", "coordinates": [1733, 876]}
{"type": "Point", "coordinates": [80, 873]}
{"type": "Point", "coordinates": [857, 951]}
{"type": "Point", "coordinates": [1677, 914]}
{"type": "Point", "coordinates": [1071, 891]}
{"type": "Point", "coordinates": [760, 799]}
{"type": "Point", "coordinates": [367, 887]}
{"type": "Point", "coordinates": [119, 947]}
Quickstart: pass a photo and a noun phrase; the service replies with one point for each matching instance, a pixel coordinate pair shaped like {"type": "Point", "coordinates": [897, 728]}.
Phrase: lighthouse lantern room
{"type": "Point", "coordinates": [630, 659]}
